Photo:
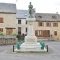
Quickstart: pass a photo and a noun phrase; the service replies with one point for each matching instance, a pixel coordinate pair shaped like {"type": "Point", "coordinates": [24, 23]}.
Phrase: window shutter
{"type": "Point", "coordinates": [36, 33]}
{"type": "Point", "coordinates": [1, 20]}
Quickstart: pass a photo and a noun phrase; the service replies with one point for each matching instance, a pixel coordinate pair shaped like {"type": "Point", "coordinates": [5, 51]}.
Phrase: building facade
{"type": "Point", "coordinates": [22, 25]}
{"type": "Point", "coordinates": [47, 25]}
{"type": "Point", "coordinates": [8, 18]}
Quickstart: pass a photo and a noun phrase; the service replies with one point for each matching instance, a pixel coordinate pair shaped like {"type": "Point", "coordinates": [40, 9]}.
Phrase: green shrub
{"type": "Point", "coordinates": [14, 33]}
{"type": "Point", "coordinates": [1, 33]}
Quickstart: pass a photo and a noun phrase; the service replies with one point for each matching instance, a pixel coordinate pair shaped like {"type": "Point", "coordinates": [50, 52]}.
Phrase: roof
{"type": "Point", "coordinates": [7, 8]}
{"type": "Point", "coordinates": [47, 17]}
{"type": "Point", "coordinates": [39, 16]}
{"type": "Point", "coordinates": [22, 14]}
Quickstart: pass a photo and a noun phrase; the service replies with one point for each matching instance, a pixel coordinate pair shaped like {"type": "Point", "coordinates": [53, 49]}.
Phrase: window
{"type": "Point", "coordinates": [19, 21]}
{"type": "Point", "coordinates": [9, 31]}
{"type": "Point", "coordinates": [48, 24]}
{"type": "Point", "coordinates": [55, 33]}
{"type": "Point", "coordinates": [26, 22]}
{"type": "Point", "coordinates": [25, 14]}
{"type": "Point", "coordinates": [26, 29]}
{"type": "Point", "coordinates": [1, 29]}
{"type": "Point", "coordinates": [40, 33]}
{"type": "Point", "coordinates": [39, 16]}
{"type": "Point", "coordinates": [55, 24]}
{"type": "Point", "coordinates": [19, 30]}
{"type": "Point", "coordinates": [40, 23]}
{"type": "Point", "coordinates": [1, 20]}
{"type": "Point", "coordinates": [54, 17]}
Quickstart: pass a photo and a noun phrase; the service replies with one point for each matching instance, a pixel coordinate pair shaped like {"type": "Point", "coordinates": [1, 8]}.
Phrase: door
{"type": "Point", "coordinates": [42, 33]}
{"type": "Point", "coordinates": [9, 31]}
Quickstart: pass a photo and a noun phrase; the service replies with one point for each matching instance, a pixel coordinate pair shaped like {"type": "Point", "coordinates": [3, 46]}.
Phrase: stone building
{"type": "Point", "coordinates": [8, 18]}
{"type": "Point", "coordinates": [47, 25]}
{"type": "Point", "coordinates": [21, 16]}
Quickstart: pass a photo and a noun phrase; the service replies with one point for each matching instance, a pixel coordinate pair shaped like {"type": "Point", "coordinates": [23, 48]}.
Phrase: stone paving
{"type": "Point", "coordinates": [53, 54]}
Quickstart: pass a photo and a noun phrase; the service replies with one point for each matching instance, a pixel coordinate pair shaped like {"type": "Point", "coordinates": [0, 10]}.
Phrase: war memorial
{"type": "Point", "coordinates": [30, 43]}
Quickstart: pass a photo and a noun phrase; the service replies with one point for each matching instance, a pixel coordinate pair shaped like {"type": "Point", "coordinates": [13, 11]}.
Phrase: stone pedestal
{"type": "Point", "coordinates": [30, 38]}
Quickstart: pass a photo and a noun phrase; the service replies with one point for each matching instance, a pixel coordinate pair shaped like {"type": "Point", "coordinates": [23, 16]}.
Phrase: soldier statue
{"type": "Point", "coordinates": [31, 11]}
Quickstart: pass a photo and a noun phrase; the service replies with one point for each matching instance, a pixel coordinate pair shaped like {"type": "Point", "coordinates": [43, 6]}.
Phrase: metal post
{"type": "Point", "coordinates": [13, 48]}
{"type": "Point", "coordinates": [47, 47]}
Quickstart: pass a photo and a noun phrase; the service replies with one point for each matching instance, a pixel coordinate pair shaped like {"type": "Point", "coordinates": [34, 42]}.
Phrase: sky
{"type": "Point", "coordinates": [41, 6]}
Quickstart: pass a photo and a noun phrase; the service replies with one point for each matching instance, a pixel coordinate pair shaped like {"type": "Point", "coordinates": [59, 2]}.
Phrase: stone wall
{"type": "Point", "coordinates": [9, 21]}
{"type": "Point", "coordinates": [7, 40]}
{"type": "Point", "coordinates": [51, 28]}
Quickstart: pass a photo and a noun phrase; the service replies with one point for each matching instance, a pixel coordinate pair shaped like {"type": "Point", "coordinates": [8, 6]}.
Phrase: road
{"type": "Point", "coordinates": [53, 54]}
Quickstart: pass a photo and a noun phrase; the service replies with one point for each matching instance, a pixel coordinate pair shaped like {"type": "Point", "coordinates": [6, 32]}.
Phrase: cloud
{"type": "Point", "coordinates": [8, 1]}
{"type": "Point", "coordinates": [40, 5]}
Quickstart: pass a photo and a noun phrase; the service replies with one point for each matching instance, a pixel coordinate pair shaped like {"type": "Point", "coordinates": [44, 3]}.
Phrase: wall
{"type": "Point", "coordinates": [36, 27]}
{"type": "Point", "coordinates": [51, 28]}
{"type": "Point", "coordinates": [7, 39]}
{"type": "Point", "coordinates": [9, 22]}
{"type": "Point", "coordinates": [23, 26]}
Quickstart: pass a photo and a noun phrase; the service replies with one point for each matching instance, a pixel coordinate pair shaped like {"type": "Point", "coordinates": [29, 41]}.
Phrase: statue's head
{"type": "Point", "coordinates": [30, 3]}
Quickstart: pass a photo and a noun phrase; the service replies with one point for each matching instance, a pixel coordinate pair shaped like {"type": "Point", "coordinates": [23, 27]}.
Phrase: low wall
{"type": "Point", "coordinates": [7, 39]}
{"type": "Point", "coordinates": [7, 42]}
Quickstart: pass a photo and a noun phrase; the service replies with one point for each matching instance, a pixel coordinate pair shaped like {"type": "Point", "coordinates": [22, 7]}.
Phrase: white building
{"type": "Point", "coordinates": [21, 21]}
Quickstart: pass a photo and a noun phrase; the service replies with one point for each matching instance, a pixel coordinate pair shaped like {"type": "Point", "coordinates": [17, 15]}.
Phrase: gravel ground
{"type": "Point", "coordinates": [6, 53]}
